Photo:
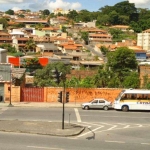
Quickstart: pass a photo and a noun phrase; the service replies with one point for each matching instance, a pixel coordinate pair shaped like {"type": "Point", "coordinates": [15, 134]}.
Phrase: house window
{"type": "Point", "coordinates": [138, 54]}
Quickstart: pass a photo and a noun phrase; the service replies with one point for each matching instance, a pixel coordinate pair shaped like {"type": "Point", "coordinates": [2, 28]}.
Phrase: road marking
{"type": "Point", "coordinates": [77, 115]}
{"type": "Point", "coordinates": [139, 125]}
{"type": "Point", "coordinates": [91, 131]}
{"type": "Point", "coordinates": [127, 126]}
{"type": "Point", "coordinates": [91, 123]}
{"type": "Point", "coordinates": [115, 141]}
{"type": "Point", "coordinates": [112, 127]}
{"type": "Point", "coordinates": [44, 148]}
{"type": "Point", "coordinates": [145, 143]}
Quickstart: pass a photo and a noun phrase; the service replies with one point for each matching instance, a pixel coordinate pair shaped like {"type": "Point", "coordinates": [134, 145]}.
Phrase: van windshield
{"type": "Point", "coordinates": [119, 96]}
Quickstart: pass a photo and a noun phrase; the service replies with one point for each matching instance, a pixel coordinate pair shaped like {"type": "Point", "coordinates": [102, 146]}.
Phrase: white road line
{"type": "Point", "coordinates": [36, 147]}
{"type": "Point", "coordinates": [112, 127]}
{"type": "Point", "coordinates": [145, 143]}
{"type": "Point", "coordinates": [77, 115]}
{"type": "Point", "coordinates": [91, 123]}
{"type": "Point", "coordinates": [91, 131]}
{"type": "Point", "coordinates": [115, 141]}
{"type": "Point", "coordinates": [127, 126]}
{"type": "Point", "coordinates": [105, 123]}
{"type": "Point", "coordinates": [139, 125]}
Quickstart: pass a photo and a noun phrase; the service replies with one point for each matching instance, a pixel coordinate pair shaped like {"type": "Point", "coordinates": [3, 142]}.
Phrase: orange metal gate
{"type": "Point", "coordinates": [32, 94]}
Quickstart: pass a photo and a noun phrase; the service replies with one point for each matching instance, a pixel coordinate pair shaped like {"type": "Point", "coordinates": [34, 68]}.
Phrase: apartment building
{"type": "Point", "coordinates": [143, 39]}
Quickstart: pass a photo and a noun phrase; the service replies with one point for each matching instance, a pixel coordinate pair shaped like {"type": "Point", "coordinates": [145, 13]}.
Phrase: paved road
{"type": "Point", "coordinates": [107, 130]}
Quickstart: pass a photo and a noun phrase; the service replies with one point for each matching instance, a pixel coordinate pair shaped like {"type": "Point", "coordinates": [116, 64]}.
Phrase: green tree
{"type": "Point", "coordinates": [102, 20]}
{"type": "Point", "coordinates": [46, 12]}
{"type": "Point", "coordinates": [72, 14]}
{"type": "Point", "coordinates": [31, 65]}
{"type": "Point", "coordinates": [9, 12]}
{"type": "Point", "coordinates": [21, 16]}
{"type": "Point", "coordinates": [85, 36]}
{"type": "Point", "coordinates": [114, 18]}
{"type": "Point", "coordinates": [8, 47]}
{"type": "Point", "coordinates": [64, 29]}
{"type": "Point", "coordinates": [122, 62]}
{"type": "Point", "coordinates": [132, 80]}
{"type": "Point", "coordinates": [30, 45]}
{"type": "Point", "coordinates": [116, 33]}
{"type": "Point", "coordinates": [104, 50]}
{"type": "Point", "coordinates": [87, 82]}
{"type": "Point", "coordinates": [4, 22]}
{"type": "Point", "coordinates": [125, 8]}
{"type": "Point", "coordinates": [44, 77]}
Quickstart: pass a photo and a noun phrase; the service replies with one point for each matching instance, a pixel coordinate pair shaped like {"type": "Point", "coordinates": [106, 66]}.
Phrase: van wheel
{"type": "Point", "coordinates": [125, 108]}
{"type": "Point", "coordinates": [86, 107]}
{"type": "Point", "coordinates": [105, 108]}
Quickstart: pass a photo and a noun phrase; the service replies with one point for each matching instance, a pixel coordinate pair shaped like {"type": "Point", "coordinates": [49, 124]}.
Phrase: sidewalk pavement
{"type": "Point", "coordinates": [40, 127]}
{"type": "Point", "coordinates": [41, 104]}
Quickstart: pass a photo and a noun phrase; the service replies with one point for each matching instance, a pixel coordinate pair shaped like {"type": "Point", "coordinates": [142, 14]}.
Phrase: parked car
{"type": "Point", "coordinates": [98, 103]}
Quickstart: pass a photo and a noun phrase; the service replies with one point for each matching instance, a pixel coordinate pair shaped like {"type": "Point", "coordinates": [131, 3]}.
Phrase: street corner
{"type": "Point", "coordinates": [41, 128]}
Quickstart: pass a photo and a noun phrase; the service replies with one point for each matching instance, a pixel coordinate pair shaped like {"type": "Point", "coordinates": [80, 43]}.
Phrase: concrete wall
{"type": "Point", "coordinates": [77, 95]}
{"type": "Point", "coordinates": [15, 93]}
{"type": "Point", "coordinates": [81, 94]}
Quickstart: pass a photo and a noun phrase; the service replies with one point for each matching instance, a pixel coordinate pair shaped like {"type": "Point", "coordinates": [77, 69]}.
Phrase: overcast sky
{"type": "Point", "coordinates": [91, 5]}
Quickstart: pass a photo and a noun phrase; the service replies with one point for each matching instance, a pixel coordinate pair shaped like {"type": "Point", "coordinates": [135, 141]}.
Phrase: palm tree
{"type": "Point", "coordinates": [30, 45]}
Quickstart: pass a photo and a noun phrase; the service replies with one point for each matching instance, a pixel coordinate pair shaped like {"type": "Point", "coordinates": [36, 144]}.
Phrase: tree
{"type": "Point", "coordinates": [4, 22]}
{"type": "Point", "coordinates": [31, 64]}
{"type": "Point", "coordinates": [85, 36]}
{"type": "Point", "coordinates": [44, 77]}
{"type": "Point", "coordinates": [46, 12]}
{"type": "Point", "coordinates": [10, 12]}
{"type": "Point", "coordinates": [104, 50]}
{"type": "Point", "coordinates": [30, 45]}
{"type": "Point", "coordinates": [64, 29]}
{"type": "Point", "coordinates": [125, 8]}
{"type": "Point", "coordinates": [122, 62]}
{"type": "Point", "coordinates": [8, 47]}
{"type": "Point", "coordinates": [116, 33]}
{"type": "Point", "coordinates": [113, 18]}
{"type": "Point", "coordinates": [72, 14]}
{"type": "Point", "coordinates": [132, 80]}
{"type": "Point", "coordinates": [102, 20]}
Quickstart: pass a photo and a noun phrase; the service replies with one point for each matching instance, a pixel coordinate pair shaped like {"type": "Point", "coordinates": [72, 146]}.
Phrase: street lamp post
{"type": "Point", "coordinates": [10, 103]}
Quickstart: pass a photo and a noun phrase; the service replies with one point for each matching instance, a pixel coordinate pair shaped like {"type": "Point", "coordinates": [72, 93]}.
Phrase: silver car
{"type": "Point", "coordinates": [97, 104]}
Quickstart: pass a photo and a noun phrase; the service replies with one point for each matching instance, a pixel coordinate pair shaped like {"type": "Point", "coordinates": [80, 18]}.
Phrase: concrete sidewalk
{"type": "Point", "coordinates": [41, 127]}
{"type": "Point", "coordinates": [40, 104]}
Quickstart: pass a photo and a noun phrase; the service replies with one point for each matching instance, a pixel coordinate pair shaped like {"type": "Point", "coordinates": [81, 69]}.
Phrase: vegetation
{"type": "Point", "coordinates": [44, 77]}
{"type": "Point", "coordinates": [30, 45]}
{"type": "Point", "coordinates": [9, 48]}
{"type": "Point", "coordinates": [10, 12]}
{"type": "Point", "coordinates": [119, 72]}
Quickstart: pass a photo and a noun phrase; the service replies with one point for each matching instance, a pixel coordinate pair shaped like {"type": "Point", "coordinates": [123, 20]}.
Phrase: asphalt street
{"type": "Point", "coordinates": [105, 130]}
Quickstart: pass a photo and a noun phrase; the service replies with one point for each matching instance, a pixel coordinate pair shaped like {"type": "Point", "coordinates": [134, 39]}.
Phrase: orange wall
{"type": "Point", "coordinates": [81, 94]}
{"type": "Point", "coordinates": [15, 93]}
{"type": "Point", "coordinates": [77, 95]}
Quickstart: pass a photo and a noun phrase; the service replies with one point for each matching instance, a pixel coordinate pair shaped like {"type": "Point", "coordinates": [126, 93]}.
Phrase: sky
{"type": "Point", "coordinates": [90, 5]}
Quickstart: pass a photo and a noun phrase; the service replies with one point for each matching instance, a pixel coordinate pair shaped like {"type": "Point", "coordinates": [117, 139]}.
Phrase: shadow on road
{"type": "Point", "coordinates": [91, 137]}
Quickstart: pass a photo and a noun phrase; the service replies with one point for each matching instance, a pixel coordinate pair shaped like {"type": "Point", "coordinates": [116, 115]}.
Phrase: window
{"type": "Point", "coordinates": [101, 101]}
{"type": "Point", "coordinates": [95, 101]}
